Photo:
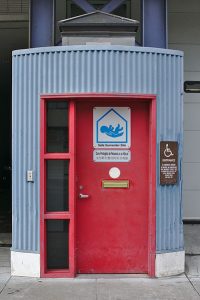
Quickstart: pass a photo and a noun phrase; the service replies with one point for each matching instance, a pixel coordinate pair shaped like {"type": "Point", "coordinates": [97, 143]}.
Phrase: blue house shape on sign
{"type": "Point", "coordinates": [115, 134]}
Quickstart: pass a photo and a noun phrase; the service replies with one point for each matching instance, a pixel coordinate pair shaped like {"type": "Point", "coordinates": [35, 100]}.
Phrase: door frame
{"type": "Point", "coordinates": [71, 156]}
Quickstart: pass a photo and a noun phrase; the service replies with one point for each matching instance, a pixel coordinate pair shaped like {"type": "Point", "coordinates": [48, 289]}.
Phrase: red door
{"type": "Point", "coordinates": [112, 223]}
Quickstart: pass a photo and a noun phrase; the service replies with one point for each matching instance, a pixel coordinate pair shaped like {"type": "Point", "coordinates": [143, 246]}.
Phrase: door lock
{"type": "Point", "coordinates": [82, 196]}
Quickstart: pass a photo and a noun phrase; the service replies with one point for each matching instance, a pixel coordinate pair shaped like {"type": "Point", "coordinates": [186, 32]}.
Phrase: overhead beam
{"type": "Point", "coordinates": [87, 7]}
{"type": "Point", "coordinates": [154, 23]}
{"type": "Point", "coordinates": [112, 5]}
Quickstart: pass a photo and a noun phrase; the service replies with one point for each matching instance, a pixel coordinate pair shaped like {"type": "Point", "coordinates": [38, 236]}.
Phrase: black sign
{"type": "Point", "coordinates": [192, 86]}
{"type": "Point", "coordinates": [168, 162]}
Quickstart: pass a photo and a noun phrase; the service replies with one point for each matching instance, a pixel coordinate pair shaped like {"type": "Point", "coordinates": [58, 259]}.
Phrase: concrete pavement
{"type": "Point", "coordinates": [102, 287]}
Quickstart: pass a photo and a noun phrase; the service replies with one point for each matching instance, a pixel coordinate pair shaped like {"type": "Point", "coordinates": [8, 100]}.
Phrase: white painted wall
{"type": "Point", "coordinates": [25, 264]}
{"type": "Point", "coordinates": [184, 34]}
{"type": "Point", "coordinates": [168, 264]}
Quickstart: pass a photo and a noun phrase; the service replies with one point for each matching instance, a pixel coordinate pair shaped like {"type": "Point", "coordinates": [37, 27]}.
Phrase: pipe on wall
{"type": "Point", "coordinates": [41, 23]}
{"type": "Point", "coordinates": [154, 23]}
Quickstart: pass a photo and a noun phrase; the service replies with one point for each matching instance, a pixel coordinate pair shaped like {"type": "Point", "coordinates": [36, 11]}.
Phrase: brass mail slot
{"type": "Point", "coordinates": [123, 184]}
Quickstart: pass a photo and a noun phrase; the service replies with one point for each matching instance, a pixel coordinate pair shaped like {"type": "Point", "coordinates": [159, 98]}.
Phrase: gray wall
{"type": "Point", "coordinates": [184, 34]}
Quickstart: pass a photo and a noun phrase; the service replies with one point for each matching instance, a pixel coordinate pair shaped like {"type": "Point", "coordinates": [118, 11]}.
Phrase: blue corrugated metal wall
{"type": "Point", "coordinates": [92, 69]}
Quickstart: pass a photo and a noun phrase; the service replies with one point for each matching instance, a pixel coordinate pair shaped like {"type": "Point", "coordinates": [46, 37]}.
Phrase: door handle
{"type": "Point", "coordinates": [82, 196]}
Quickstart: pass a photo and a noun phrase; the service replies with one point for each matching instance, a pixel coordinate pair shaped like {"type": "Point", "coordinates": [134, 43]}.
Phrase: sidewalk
{"type": "Point", "coordinates": [108, 287]}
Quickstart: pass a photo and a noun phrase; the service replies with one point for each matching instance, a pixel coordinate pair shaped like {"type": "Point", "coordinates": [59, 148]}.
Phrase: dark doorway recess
{"type": "Point", "coordinates": [5, 155]}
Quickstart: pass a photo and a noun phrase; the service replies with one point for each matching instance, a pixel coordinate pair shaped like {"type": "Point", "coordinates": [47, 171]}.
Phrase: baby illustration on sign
{"type": "Point", "coordinates": [111, 131]}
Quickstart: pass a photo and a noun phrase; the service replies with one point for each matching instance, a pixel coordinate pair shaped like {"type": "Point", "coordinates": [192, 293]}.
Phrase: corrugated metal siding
{"type": "Point", "coordinates": [92, 69]}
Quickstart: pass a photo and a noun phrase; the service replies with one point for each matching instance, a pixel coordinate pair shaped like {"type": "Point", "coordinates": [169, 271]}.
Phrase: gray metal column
{"type": "Point", "coordinates": [41, 23]}
{"type": "Point", "coordinates": [154, 23]}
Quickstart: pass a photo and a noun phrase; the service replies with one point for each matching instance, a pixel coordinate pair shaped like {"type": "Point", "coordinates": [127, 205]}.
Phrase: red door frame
{"type": "Point", "coordinates": [71, 156]}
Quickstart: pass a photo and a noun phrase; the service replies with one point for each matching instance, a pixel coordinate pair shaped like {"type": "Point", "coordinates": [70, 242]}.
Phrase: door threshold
{"type": "Point", "coordinates": [110, 276]}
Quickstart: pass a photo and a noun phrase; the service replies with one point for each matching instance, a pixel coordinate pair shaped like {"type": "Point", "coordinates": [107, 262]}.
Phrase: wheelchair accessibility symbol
{"type": "Point", "coordinates": [167, 152]}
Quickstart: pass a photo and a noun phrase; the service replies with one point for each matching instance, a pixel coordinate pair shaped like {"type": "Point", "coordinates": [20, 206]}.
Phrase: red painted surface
{"type": "Point", "coordinates": [124, 233]}
{"type": "Point", "coordinates": [42, 188]}
{"type": "Point", "coordinates": [112, 224]}
{"type": "Point", "coordinates": [44, 215]}
{"type": "Point", "coordinates": [152, 190]}
{"type": "Point", "coordinates": [72, 190]}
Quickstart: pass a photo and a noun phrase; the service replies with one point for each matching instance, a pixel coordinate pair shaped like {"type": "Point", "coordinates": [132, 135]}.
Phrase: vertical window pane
{"type": "Point", "coordinates": [57, 244]}
{"type": "Point", "coordinates": [57, 185]}
{"type": "Point", "coordinates": [57, 126]}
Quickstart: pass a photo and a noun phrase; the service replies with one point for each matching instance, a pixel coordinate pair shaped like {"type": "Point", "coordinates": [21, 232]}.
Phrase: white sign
{"type": "Point", "coordinates": [111, 155]}
{"type": "Point", "coordinates": [111, 127]}
{"type": "Point", "coordinates": [114, 172]}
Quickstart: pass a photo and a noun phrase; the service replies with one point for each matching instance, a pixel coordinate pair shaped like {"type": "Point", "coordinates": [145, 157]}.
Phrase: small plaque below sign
{"type": "Point", "coordinates": [123, 184]}
{"type": "Point", "coordinates": [168, 162]}
{"type": "Point", "coordinates": [101, 155]}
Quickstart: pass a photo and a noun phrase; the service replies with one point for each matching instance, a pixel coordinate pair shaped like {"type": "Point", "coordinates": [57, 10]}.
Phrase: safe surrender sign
{"type": "Point", "coordinates": [111, 127]}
